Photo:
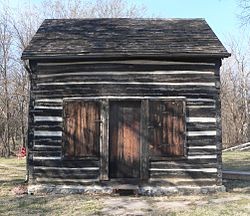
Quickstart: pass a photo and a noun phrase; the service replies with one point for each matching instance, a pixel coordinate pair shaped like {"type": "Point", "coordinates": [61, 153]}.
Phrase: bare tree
{"type": "Point", "coordinates": [17, 27]}
{"type": "Point", "coordinates": [245, 11]}
{"type": "Point", "coordinates": [6, 40]}
{"type": "Point", "coordinates": [91, 9]}
{"type": "Point", "coordinates": [235, 84]}
{"type": "Point", "coordinates": [115, 8]}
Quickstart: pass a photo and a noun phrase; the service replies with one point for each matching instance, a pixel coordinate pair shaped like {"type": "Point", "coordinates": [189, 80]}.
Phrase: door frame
{"type": "Point", "coordinates": [104, 138]}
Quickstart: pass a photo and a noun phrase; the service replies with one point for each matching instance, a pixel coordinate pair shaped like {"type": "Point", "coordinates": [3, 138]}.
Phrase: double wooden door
{"type": "Point", "coordinates": [125, 133]}
{"type": "Point", "coordinates": [124, 136]}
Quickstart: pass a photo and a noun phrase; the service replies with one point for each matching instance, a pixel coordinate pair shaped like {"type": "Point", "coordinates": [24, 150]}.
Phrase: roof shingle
{"type": "Point", "coordinates": [124, 37]}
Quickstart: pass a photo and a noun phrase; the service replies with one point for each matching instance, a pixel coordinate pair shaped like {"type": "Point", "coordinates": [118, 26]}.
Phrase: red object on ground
{"type": "Point", "coordinates": [23, 152]}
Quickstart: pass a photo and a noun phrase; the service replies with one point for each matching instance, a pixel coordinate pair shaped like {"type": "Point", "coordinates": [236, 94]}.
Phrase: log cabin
{"type": "Point", "coordinates": [122, 101]}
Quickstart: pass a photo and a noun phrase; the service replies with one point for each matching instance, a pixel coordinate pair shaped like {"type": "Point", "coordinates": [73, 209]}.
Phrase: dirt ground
{"type": "Point", "coordinates": [227, 203]}
{"type": "Point", "coordinates": [166, 205]}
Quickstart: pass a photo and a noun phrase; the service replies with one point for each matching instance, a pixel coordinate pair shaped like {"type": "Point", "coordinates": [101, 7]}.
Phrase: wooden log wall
{"type": "Point", "coordinates": [196, 81]}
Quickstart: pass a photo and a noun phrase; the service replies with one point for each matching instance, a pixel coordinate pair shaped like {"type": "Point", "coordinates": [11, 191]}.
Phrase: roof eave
{"type": "Point", "coordinates": [36, 56]}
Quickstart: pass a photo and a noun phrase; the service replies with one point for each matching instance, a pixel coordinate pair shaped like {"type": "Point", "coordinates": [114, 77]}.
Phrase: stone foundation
{"type": "Point", "coordinates": [140, 190]}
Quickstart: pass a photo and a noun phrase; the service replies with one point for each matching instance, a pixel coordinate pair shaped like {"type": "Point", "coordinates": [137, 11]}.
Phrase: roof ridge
{"type": "Point", "coordinates": [127, 18]}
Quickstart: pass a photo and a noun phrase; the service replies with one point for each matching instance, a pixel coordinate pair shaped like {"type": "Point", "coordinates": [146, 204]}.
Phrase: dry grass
{"type": "Point", "coordinates": [234, 202]}
{"type": "Point", "coordinates": [236, 160]}
{"type": "Point", "coordinates": [13, 175]}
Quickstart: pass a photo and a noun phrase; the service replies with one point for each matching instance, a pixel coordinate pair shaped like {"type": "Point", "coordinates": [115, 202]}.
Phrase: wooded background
{"type": "Point", "coordinates": [18, 25]}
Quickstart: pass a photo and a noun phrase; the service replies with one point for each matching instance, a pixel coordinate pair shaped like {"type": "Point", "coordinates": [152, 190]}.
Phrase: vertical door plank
{"type": "Point", "coordinates": [144, 165]}
{"type": "Point", "coordinates": [155, 133]}
{"type": "Point", "coordinates": [124, 139]}
{"type": "Point", "coordinates": [169, 128]}
{"type": "Point", "coordinates": [78, 126]}
{"type": "Point", "coordinates": [104, 141]}
{"type": "Point", "coordinates": [177, 115]}
{"type": "Point", "coordinates": [113, 137]}
{"type": "Point", "coordinates": [90, 130]}
{"type": "Point", "coordinates": [70, 124]}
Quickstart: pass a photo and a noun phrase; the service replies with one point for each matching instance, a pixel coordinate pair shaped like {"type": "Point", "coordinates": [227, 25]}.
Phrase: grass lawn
{"type": "Point", "coordinates": [234, 202]}
{"type": "Point", "coordinates": [236, 160]}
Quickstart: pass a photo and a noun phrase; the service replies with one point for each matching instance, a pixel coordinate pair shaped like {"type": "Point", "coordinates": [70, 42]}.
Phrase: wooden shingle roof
{"type": "Point", "coordinates": [124, 37]}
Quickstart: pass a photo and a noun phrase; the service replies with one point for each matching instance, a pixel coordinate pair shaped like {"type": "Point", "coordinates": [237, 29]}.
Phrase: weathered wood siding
{"type": "Point", "coordinates": [196, 81]}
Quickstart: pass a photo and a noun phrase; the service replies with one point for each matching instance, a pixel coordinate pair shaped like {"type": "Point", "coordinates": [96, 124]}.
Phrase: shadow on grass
{"type": "Point", "coordinates": [237, 185]}
{"type": "Point", "coordinates": [23, 205]}
{"type": "Point", "coordinates": [12, 182]}
{"type": "Point", "coordinates": [50, 205]}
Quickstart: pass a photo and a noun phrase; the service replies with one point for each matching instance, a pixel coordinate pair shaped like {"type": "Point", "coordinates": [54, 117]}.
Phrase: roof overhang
{"type": "Point", "coordinates": [51, 56]}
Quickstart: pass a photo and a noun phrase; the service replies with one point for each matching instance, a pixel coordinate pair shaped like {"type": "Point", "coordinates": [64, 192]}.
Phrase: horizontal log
{"type": "Point", "coordinates": [165, 170]}
{"type": "Point", "coordinates": [48, 104]}
{"type": "Point", "coordinates": [199, 102]}
{"type": "Point", "coordinates": [200, 126]}
{"type": "Point", "coordinates": [201, 133]}
{"type": "Point", "coordinates": [187, 174]}
{"type": "Point", "coordinates": [66, 181]}
{"type": "Point", "coordinates": [192, 100]}
{"type": "Point", "coordinates": [191, 152]}
{"type": "Point", "coordinates": [50, 101]}
{"type": "Point", "coordinates": [126, 74]}
{"type": "Point", "coordinates": [202, 147]}
{"type": "Point", "coordinates": [48, 137]}
{"type": "Point", "coordinates": [79, 173]}
{"type": "Point", "coordinates": [49, 152]}
{"type": "Point", "coordinates": [201, 157]}
{"type": "Point", "coordinates": [201, 141]}
{"type": "Point", "coordinates": [42, 127]}
{"type": "Point", "coordinates": [67, 169]}
{"type": "Point", "coordinates": [129, 77]}
{"type": "Point", "coordinates": [67, 163]}
{"type": "Point", "coordinates": [47, 112]}
{"type": "Point", "coordinates": [45, 107]}
{"type": "Point", "coordinates": [43, 119]}
{"type": "Point", "coordinates": [46, 148]}
{"type": "Point", "coordinates": [198, 160]}
{"type": "Point", "coordinates": [46, 124]}
{"type": "Point", "coordinates": [175, 164]}
{"type": "Point", "coordinates": [130, 61]}
{"type": "Point", "coordinates": [197, 106]}
{"type": "Point", "coordinates": [105, 67]}
{"type": "Point", "coordinates": [201, 119]}
{"type": "Point", "coordinates": [86, 91]}
{"type": "Point", "coordinates": [199, 112]}
{"type": "Point", "coordinates": [43, 158]}
{"type": "Point", "coordinates": [48, 134]}
{"type": "Point", "coordinates": [49, 142]}
{"type": "Point", "coordinates": [72, 87]}
{"type": "Point", "coordinates": [66, 176]}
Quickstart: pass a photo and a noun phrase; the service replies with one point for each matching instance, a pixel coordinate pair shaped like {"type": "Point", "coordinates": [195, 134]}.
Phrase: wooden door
{"type": "Point", "coordinates": [124, 139]}
{"type": "Point", "coordinates": [81, 129]}
{"type": "Point", "coordinates": [166, 128]}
